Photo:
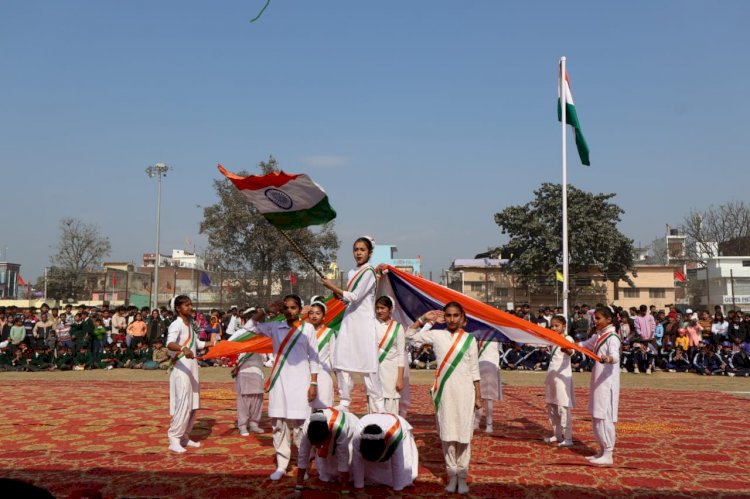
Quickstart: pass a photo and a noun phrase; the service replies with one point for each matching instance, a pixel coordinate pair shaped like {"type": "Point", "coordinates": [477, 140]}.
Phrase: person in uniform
{"type": "Point", "coordinates": [558, 389]}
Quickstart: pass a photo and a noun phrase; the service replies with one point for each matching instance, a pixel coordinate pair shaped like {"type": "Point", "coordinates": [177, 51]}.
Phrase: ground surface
{"type": "Point", "coordinates": [106, 431]}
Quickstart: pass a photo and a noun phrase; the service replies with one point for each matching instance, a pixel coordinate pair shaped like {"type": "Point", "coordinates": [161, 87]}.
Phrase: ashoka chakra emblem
{"type": "Point", "coordinates": [279, 198]}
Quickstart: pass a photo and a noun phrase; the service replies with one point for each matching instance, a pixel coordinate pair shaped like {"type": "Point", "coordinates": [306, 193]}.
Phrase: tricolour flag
{"type": "Point", "coordinates": [287, 201]}
{"type": "Point", "coordinates": [571, 118]}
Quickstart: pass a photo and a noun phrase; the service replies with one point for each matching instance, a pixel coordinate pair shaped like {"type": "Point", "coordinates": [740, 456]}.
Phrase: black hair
{"type": "Point", "coordinates": [385, 301]}
{"type": "Point", "coordinates": [454, 304]}
{"type": "Point", "coordinates": [605, 312]}
{"type": "Point", "coordinates": [317, 432]}
{"type": "Point", "coordinates": [366, 241]}
{"type": "Point", "coordinates": [559, 318]}
{"type": "Point", "coordinates": [296, 299]}
{"type": "Point", "coordinates": [180, 300]}
{"type": "Point", "coordinates": [370, 449]}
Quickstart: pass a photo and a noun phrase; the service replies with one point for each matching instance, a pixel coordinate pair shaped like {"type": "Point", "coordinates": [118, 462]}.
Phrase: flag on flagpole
{"type": "Point", "coordinates": [679, 276]}
{"type": "Point", "coordinates": [559, 276]}
{"type": "Point", "coordinates": [287, 201]}
{"type": "Point", "coordinates": [114, 280]}
{"type": "Point", "coordinates": [571, 117]}
{"type": "Point", "coordinates": [20, 281]}
{"type": "Point", "coordinates": [205, 280]}
{"type": "Point", "coordinates": [292, 279]}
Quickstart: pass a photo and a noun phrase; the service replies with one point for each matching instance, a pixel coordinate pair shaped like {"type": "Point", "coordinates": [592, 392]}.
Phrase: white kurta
{"type": "Point", "coordinates": [490, 383]}
{"type": "Point", "coordinates": [400, 470]}
{"type": "Point", "coordinates": [558, 385]}
{"type": "Point", "coordinates": [357, 345]}
{"type": "Point", "coordinates": [455, 414]}
{"type": "Point", "coordinates": [333, 463]}
{"type": "Point", "coordinates": [604, 394]}
{"type": "Point", "coordinates": [325, 375]}
{"type": "Point", "coordinates": [394, 359]}
{"type": "Point", "coordinates": [249, 378]}
{"type": "Point", "coordinates": [184, 383]}
{"type": "Point", "coordinates": [288, 397]}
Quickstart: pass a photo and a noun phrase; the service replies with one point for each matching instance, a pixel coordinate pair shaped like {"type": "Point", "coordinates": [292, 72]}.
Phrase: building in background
{"type": "Point", "coordinates": [725, 281]}
{"type": "Point", "coordinates": [9, 280]}
{"type": "Point", "coordinates": [179, 258]}
{"type": "Point", "coordinates": [386, 253]}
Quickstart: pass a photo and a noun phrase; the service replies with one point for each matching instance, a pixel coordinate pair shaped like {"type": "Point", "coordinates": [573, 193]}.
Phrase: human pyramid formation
{"type": "Point", "coordinates": [379, 447]}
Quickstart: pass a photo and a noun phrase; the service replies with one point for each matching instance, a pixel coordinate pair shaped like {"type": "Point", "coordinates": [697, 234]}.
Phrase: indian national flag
{"type": "Point", "coordinates": [571, 118]}
{"type": "Point", "coordinates": [288, 201]}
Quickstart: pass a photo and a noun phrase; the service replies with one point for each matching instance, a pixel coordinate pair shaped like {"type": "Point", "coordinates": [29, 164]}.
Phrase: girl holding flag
{"type": "Point", "coordinates": [391, 345]}
{"type": "Point", "coordinates": [604, 396]}
{"type": "Point", "coordinates": [248, 384]}
{"type": "Point", "coordinates": [296, 362]}
{"type": "Point", "coordinates": [456, 391]}
{"type": "Point", "coordinates": [357, 342]}
{"type": "Point", "coordinates": [184, 385]}
{"type": "Point", "coordinates": [489, 370]}
{"type": "Point", "coordinates": [325, 340]}
{"type": "Point", "coordinates": [558, 389]}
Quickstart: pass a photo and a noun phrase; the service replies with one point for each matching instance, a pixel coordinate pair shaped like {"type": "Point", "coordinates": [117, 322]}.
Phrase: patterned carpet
{"type": "Point", "coordinates": [110, 436]}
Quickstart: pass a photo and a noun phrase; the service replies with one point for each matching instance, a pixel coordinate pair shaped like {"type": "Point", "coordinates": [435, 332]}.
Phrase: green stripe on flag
{"type": "Point", "coordinates": [288, 220]}
{"type": "Point", "coordinates": [571, 118]}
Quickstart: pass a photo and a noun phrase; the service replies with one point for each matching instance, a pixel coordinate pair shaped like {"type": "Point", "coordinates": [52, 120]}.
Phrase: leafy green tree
{"type": "Point", "coordinates": [535, 232]}
{"type": "Point", "coordinates": [252, 251]}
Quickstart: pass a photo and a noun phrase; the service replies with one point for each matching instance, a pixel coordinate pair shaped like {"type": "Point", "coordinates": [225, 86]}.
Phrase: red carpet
{"type": "Point", "coordinates": [110, 436]}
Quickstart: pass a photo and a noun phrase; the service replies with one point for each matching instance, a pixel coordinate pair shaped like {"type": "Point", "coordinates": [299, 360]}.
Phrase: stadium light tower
{"type": "Point", "coordinates": [158, 170]}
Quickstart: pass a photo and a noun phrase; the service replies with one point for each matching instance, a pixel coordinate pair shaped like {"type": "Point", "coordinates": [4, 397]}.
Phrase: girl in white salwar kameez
{"type": "Point", "coordinates": [292, 383]}
{"type": "Point", "coordinates": [604, 394]}
{"type": "Point", "coordinates": [390, 355]}
{"type": "Point", "coordinates": [326, 341]}
{"type": "Point", "coordinates": [456, 391]}
{"type": "Point", "coordinates": [356, 344]}
{"type": "Point", "coordinates": [490, 384]}
{"type": "Point", "coordinates": [558, 389]}
{"type": "Point", "coordinates": [184, 384]}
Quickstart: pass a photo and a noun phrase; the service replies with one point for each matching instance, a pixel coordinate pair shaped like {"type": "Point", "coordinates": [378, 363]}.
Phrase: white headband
{"type": "Point", "coordinates": [372, 436]}
{"type": "Point", "coordinates": [371, 239]}
{"type": "Point", "coordinates": [320, 304]}
{"type": "Point", "coordinates": [171, 304]}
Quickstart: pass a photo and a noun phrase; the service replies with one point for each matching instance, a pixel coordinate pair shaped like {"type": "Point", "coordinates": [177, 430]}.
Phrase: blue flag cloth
{"type": "Point", "coordinates": [205, 280]}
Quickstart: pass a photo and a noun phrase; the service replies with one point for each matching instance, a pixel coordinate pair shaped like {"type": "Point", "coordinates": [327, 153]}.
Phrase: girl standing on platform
{"type": "Point", "coordinates": [604, 394]}
{"type": "Point", "coordinates": [390, 355]}
{"type": "Point", "coordinates": [491, 385]}
{"type": "Point", "coordinates": [456, 391]}
{"type": "Point", "coordinates": [558, 390]}
{"type": "Point", "coordinates": [357, 345]}
{"type": "Point", "coordinates": [326, 341]}
{"type": "Point", "coordinates": [184, 385]}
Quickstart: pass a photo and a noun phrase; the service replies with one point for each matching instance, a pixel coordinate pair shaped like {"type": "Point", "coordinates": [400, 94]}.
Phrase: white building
{"type": "Point", "coordinates": [179, 258]}
{"type": "Point", "coordinates": [728, 279]}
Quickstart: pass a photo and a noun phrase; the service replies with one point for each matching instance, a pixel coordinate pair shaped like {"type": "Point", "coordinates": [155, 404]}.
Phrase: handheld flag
{"type": "Point", "coordinates": [287, 201]}
{"type": "Point", "coordinates": [571, 117]}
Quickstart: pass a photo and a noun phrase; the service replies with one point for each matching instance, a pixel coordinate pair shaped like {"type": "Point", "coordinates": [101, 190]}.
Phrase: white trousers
{"type": "Point", "coordinates": [487, 413]}
{"type": "Point", "coordinates": [325, 391]}
{"type": "Point", "coordinates": [562, 423]}
{"type": "Point", "coordinates": [182, 424]}
{"type": "Point", "coordinates": [457, 456]}
{"type": "Point", "coordinates": [286, 432]}
{"type": "Point", "coordinates": [372, 386]}
{"type": "Point", "coordinates": [604, 432]}
{"type": "Point", "coordinates": [249, 409]}
{"type": "Point", "coordinates": [391, 406]}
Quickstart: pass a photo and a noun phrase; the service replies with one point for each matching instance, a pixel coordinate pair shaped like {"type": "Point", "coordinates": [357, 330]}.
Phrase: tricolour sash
{"type": "Point", "coordinates": [484, 342]}
{"type": "Point", "coordinates": [335, 427]}
{"type": "Point", "coordinates": [461, 342]}
{"type": "Point", "coordinates": [386, 342]}
{"type": "Point", "coordinates": [189, 342]}
{"type": "Point", "coordinates": [603, 339]}
{"type": "Point", "coordinates": [393, 437]}
{"type": "Point", "coordinates": [286, 346]}
{"type": "Point", "coordinates": [323, 336]}
{"type": "Point", "coordinates": [354, 281]}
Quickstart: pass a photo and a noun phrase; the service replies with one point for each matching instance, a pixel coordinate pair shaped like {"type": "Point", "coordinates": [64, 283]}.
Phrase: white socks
{"type": "Point", "coordinates": [276, 475]}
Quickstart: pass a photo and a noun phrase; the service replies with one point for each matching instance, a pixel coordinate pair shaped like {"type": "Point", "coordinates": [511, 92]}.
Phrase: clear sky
{"type": "Point", "coordinates": [420, 118]}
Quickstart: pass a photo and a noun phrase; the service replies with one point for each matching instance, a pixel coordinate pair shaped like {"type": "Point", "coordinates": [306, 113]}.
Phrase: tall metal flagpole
{"type": "Point", "coordinates": [563, 112]}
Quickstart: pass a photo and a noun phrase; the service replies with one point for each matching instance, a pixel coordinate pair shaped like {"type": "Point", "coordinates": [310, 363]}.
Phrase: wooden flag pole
{"type": "Point", "coordinates": [301, 253]}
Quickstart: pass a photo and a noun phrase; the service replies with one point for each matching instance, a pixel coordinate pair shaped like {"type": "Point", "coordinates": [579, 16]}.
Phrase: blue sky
{"type": "Point", "coordinates": [421, 119]}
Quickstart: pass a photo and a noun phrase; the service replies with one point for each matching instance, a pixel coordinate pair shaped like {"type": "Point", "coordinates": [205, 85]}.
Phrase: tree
{"type": "Point", "coordinates": [81, 246]}
{"type": "Point", "coordinates": [62, 284]}
{"type": "Point", "coordinates": [242, 242]}
{"type": "Point", "coordinates": [535, 231]}
{"type": "Point", "coordinates": [724, 228]}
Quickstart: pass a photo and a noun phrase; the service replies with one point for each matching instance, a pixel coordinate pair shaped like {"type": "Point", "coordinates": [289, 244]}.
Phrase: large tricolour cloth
{"type": "Point", "coordinates": [287, 201]}
{"type": "Point", "coordinates": [413, 296]}
{"type": "Point", "coordinates": [571, 118]}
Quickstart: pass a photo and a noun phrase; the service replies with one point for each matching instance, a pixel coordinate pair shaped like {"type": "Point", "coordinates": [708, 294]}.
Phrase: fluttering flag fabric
{"type": "Point", "coordinates": [413, 296]}
{"type": "Point", "coordinates": [679, 276]}
{"type": "Point", "coordinates": [292, 279]}
{"type": "Point", "coordinates": [205, 280]}
{"type": "Point", "coordinates": [287, 201]}
{"type": "Point", "coordinates": [20, 281]}
{"type": "Point", "coordinates": [559, 276]}
{"type": "Point", "coordinates": [571, 118]}
{"type": "Point", "coordinates": [114, 280]}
